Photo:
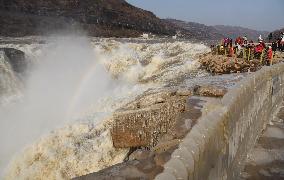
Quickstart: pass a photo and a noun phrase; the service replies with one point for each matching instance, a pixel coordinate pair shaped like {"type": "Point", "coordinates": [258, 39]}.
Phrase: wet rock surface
{"type": "Point", "coordinates": [210, 91]}
{"type": "Point", "coordinates": [266, 161]}
{"type": "Point", "coordinates": [163, 114]}
{"type": "Point", "coordinates": [144, 125]}
{"type": "Point", "coordinates": [147, 162]}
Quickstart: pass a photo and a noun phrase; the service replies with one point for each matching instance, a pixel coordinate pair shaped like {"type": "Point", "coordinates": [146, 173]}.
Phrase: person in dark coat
{"type": "Point", "coordinates": [274, 47]}
{"type": "Point", "coordinates": [282, 41]}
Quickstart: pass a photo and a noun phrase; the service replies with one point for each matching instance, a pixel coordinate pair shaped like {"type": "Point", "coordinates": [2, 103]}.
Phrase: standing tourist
{"type": "Point", "coordinates": [282, 42]}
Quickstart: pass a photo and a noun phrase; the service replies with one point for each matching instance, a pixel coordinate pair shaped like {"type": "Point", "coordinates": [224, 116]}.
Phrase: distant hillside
{"type": "Point", "coordinates": [196, 30]}
{"type": "Point", "coordinates": [104, 18]}
{"type": "Point", "coordinates": [235, 31]}
{"type": "Point", "coordinates": [98, 17]}
{"type": "Point", "coordinates": [201, 31]}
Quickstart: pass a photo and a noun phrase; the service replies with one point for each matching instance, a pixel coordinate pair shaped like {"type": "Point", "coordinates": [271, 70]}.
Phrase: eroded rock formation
{"type": "Point", "coordinates": [144, 121]}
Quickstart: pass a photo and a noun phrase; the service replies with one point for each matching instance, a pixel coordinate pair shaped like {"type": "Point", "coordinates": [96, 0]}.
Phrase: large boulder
{"type": "Point", "coordinates": [147, 163]}
{"type": "Point", "coordinates": [145, 126]}
{"type": "Point", "coordinates": [210, 91]}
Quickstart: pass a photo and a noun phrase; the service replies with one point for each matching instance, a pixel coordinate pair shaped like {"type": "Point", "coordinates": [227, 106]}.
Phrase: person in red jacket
{"type": "Point", "coordinates": [258, 50]}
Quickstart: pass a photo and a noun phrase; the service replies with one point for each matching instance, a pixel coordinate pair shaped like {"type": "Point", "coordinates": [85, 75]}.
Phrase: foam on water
{"type": "Point", "coordinates": [85, 145]}
{"type": "Point", "coordinates": [142, 62]}
{"type": "Point", "coordinates": [68, 152]}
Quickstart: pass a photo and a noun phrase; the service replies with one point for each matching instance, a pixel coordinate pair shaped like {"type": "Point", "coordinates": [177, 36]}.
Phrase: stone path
{"type": "Point", "coordinates": [266, 161]}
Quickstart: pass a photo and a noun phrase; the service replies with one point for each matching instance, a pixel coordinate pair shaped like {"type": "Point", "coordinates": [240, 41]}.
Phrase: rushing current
{"type": "Point", "coordinates": [55, 121]}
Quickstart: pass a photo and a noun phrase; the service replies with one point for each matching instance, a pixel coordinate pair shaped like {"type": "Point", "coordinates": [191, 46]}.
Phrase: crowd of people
{"type": "Point", "coordinates": [279, 43]}
{"type": "Point", "coordinates": [243, 48]}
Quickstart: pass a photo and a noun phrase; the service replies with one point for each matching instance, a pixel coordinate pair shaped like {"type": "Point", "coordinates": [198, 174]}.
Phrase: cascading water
{"type": "Point", "coordinates": [80, 82]}
{"type": "Point", "coordinates": [9, 83]}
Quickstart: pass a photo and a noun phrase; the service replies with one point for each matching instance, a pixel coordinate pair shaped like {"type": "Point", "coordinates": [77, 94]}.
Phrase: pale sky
{"type": "Point", "coordinates": [256, 14]}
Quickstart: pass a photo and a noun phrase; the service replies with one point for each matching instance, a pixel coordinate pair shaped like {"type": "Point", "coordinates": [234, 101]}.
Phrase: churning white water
{"type": "Point", "coordinates": [72, 88]}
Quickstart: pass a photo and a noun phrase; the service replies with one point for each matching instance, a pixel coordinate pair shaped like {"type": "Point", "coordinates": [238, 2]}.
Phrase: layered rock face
{"type": "Point", "coordinates": [144, 121]}
{"type": "Point", "coordinates": [159, 117]}
{"type": "Point", "coordinates": [97, 17]}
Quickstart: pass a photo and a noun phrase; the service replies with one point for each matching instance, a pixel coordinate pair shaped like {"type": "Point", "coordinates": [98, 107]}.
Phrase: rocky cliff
{"type": "Point", "coordinates": [98, 17]}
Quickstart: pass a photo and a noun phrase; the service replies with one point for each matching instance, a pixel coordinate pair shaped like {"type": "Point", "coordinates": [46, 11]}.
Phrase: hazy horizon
{"type": "Point", "coordinates": [249, 14]}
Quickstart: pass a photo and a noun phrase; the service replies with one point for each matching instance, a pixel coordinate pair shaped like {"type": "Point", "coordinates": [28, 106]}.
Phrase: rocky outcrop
{"type": "Point", "coordinates": [158, 116]}
{"type": "Point", "coordinates": [219, 64]}
{"type": "Point", "coordinates": [147, 162]}
{"type": "Point", "coordinates": [144, 121]}
{"type": "Point", "coordinates": [222, 64]}
{"type": "Point", "coordinates": [98, 17]}
{"type": "Point", "coordinates": [210, 91]}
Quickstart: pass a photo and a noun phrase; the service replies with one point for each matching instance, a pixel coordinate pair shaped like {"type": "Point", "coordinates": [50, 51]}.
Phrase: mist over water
{"type": "Point", "coordinates": [65, 79]}
{"type": "Point", "coordinates": [59, 127]}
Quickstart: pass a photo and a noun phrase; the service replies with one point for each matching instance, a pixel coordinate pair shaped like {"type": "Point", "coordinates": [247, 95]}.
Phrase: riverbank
{"type": "Point", "coordinates": [147, 122]}
{"type": "Point", "coordinates": [153, 130]}
{"type": "Point", "coordinates": [84, 144]}
{"type": "Point", "coordinates": [154, 138]}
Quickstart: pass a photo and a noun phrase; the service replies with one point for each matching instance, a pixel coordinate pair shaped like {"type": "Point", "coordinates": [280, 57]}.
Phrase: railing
{"type": "Point", "coordinates": [219, 143]}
